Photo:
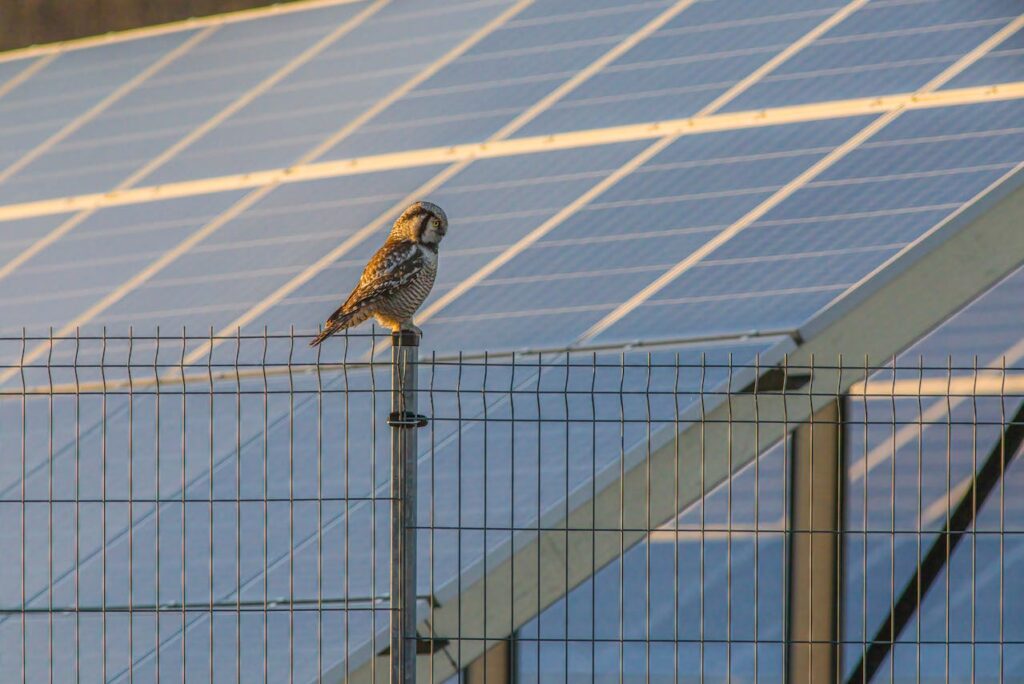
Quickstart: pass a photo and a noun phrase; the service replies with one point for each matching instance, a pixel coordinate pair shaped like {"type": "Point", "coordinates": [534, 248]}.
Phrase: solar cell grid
{"type": "Point", "coordinates": [773, 310]}
{"type": "Point", "coordinates": [884, 192]}
{"type": "Point", "coordinates": [864, 230]}
{"type": "Point", "coordinates": [63, 89]}
{"type": "Point", "coordinates": [679, 69]}
{"type": "Point", "coordinates": [896, 15]}
{"type": "Point", "coordinates": [89, 263]}
{"type": "Point", "coordinates": [424, 117]}
{"type": "Point", "coordinates": [21, 233]}
{"type": "Point", "coordinates": [330, 91]}
{"type": "Point", "coordinates": [10, 72]}
{"type": "Point", "coordinates": [1004, 64]}
{"type": "Point", "coordinates": [614, 271]}
{"type": "Point", "coordinates": [165, 107]}
{"type": "Point", "coordinates": [882, 48]}
{"type": "Point", "coordinates": [544, 10]}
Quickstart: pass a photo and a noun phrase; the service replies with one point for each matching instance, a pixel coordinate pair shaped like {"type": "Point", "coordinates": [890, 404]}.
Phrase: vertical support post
{"type": "Point", "coordinates": [815, 549]}
{"type": "Point", "coordinates": [494, 666]}
{"type": "Point", "coordinates": [404, 421]}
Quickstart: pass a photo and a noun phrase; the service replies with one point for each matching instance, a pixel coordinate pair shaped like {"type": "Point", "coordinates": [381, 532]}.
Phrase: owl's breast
{"type": "Point", "coordinates": [404, 303]}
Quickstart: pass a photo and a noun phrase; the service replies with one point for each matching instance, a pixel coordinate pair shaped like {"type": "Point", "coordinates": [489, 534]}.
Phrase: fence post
{"type": "Point", "coordinates": [815, 566]}
{"type": "Point", "coordinates": [404, 421]}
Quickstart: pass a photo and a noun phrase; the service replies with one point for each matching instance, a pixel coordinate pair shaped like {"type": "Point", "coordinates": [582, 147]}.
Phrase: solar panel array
{"type": "Point", "coordinates": [309, 97]}
{"type": "Point", "coordinates": [734, 238]}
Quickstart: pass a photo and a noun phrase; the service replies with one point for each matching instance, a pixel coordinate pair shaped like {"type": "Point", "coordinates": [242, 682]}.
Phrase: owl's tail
{"type": "Point", "coordinates": [338, 321]}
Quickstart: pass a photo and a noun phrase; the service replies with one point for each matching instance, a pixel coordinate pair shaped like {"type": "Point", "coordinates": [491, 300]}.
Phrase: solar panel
{"type": "Point", "coordinates": [550, 248]}
{"type": "Point", "coordinates": [926, 176]}
{"type": "Point", "coordinates": [480, 92]}
{"type": "Point", "coordinates": [331, 90]}
{"type": "Point", "coordinates": [179, 97]}
{"type": "Point", "coordinates": [67, 88]}
{"type": "Point", "coordinates": [999, 66]}
{"type": "Point", "coordinates": [682, 67]}
{"type": "Point", "coordinates": [882, 48]}
{"type": "Point", "coordinates": [11, 70]}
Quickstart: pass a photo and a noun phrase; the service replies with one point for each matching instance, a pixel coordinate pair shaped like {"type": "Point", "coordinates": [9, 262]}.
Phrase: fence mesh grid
{"type": "Point", "coordinates": [664, 516]}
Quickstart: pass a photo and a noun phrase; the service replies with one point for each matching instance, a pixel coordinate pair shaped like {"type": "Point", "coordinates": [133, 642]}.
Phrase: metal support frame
{"type": "Point", "coordinates": [493, 667]}
{"type": "Point", "coordinates": [403, 421]}
{"type": "Point", "coordinates": [815, 548]}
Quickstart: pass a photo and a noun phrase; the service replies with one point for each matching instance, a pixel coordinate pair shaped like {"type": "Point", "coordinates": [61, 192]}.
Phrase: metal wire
{"type": "Point", "coordinates": [599, 516]}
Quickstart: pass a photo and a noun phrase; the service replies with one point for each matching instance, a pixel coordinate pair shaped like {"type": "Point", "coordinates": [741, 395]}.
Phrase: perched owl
{"type": "Point", "coordinates": [398, 277]}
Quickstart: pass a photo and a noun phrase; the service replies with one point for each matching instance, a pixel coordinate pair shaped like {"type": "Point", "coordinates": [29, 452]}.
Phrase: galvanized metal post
{"type": "Point", "coordinates": [404, 421]}
{"type": "Point", "coordinates": [815, 549]}
{"type": "Point", "coordinates": [494, 666]}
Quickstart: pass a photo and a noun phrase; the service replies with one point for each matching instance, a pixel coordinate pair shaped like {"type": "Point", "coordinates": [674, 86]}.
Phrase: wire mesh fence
{"type": "Point", "coordinates": [196, 508]}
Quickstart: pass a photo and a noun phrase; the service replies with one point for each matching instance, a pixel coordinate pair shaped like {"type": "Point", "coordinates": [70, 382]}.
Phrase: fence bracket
{"type": "Point", "coordinates": [407, 419]}
{"type": "Point", "coordinates": [424, 646]}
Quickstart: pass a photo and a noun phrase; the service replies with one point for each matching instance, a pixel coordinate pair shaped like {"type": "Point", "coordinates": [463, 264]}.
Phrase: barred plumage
{"type": "Point", "coordinates": [398, 277]}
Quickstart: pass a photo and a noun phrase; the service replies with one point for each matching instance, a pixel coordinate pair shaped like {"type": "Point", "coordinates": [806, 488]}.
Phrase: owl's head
{"type": "Point", "coordinates": [422, 222]}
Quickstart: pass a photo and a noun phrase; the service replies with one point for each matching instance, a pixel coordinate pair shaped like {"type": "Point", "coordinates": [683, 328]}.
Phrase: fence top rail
{"type": "Point", "coordinates": [521, 375]}
{"type": "Point", "coordinates": [681, 352]}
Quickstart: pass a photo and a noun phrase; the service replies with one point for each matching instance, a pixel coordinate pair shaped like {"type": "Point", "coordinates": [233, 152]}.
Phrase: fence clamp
{"type": "Point", "coordinates": [407, 419]}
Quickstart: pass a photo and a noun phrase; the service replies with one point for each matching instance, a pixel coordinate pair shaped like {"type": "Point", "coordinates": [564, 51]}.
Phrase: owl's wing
{"type": "Point", "coordinates": [391, 268]}
{"type": "Point", "coordinates": [394, 265]}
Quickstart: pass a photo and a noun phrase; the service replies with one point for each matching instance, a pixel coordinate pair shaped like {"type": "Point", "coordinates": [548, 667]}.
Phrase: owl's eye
{"type": "Point", "coordinates": [436, 223]}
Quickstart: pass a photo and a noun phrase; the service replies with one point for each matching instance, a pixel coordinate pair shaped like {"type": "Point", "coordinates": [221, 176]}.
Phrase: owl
{"type": "Point", "coordinates": [398, 277]}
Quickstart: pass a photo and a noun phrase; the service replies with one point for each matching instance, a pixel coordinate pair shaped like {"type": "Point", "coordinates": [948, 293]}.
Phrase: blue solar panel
{"type": "Point", "coordinates": [12, 68]}
{"type": "Point", "coordinates": [924, 179]}
{"type": "Point", "coordinates": [880, 49]}
{"type": "Point", "coordinates": [902, 16]}
{"type": "Point", "coordinates": [584, 24]}
{"type": "Point", "coordinates": [995, 150]}
{"type": "Point", "coordinates": [22, 233]}
{"type": "Point", "coordinates": [71, 84]}
{"type": "Point", "coordinates": [543, 9]}
{"type": "Point", "coordinates": [331, 90]}
{"type": "Point", "coordinates": [638, 229]}
{"type": "Point", "coordinates": [1005, 63]}
{"type": "Point", "coordinates": [887, 194]}
{"type": "Point", "coordinates": [464, 103]}
{"type": "Point", "coordinates": [167, 106]}
{"type": "Point", "coordinates": [678, 70]}
{"type": "Point", "coordinates": [84, 257]}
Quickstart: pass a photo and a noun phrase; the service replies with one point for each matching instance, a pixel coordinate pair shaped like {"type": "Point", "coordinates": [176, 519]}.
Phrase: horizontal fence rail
{"type": "Point", "coordinates": [272, 512]}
